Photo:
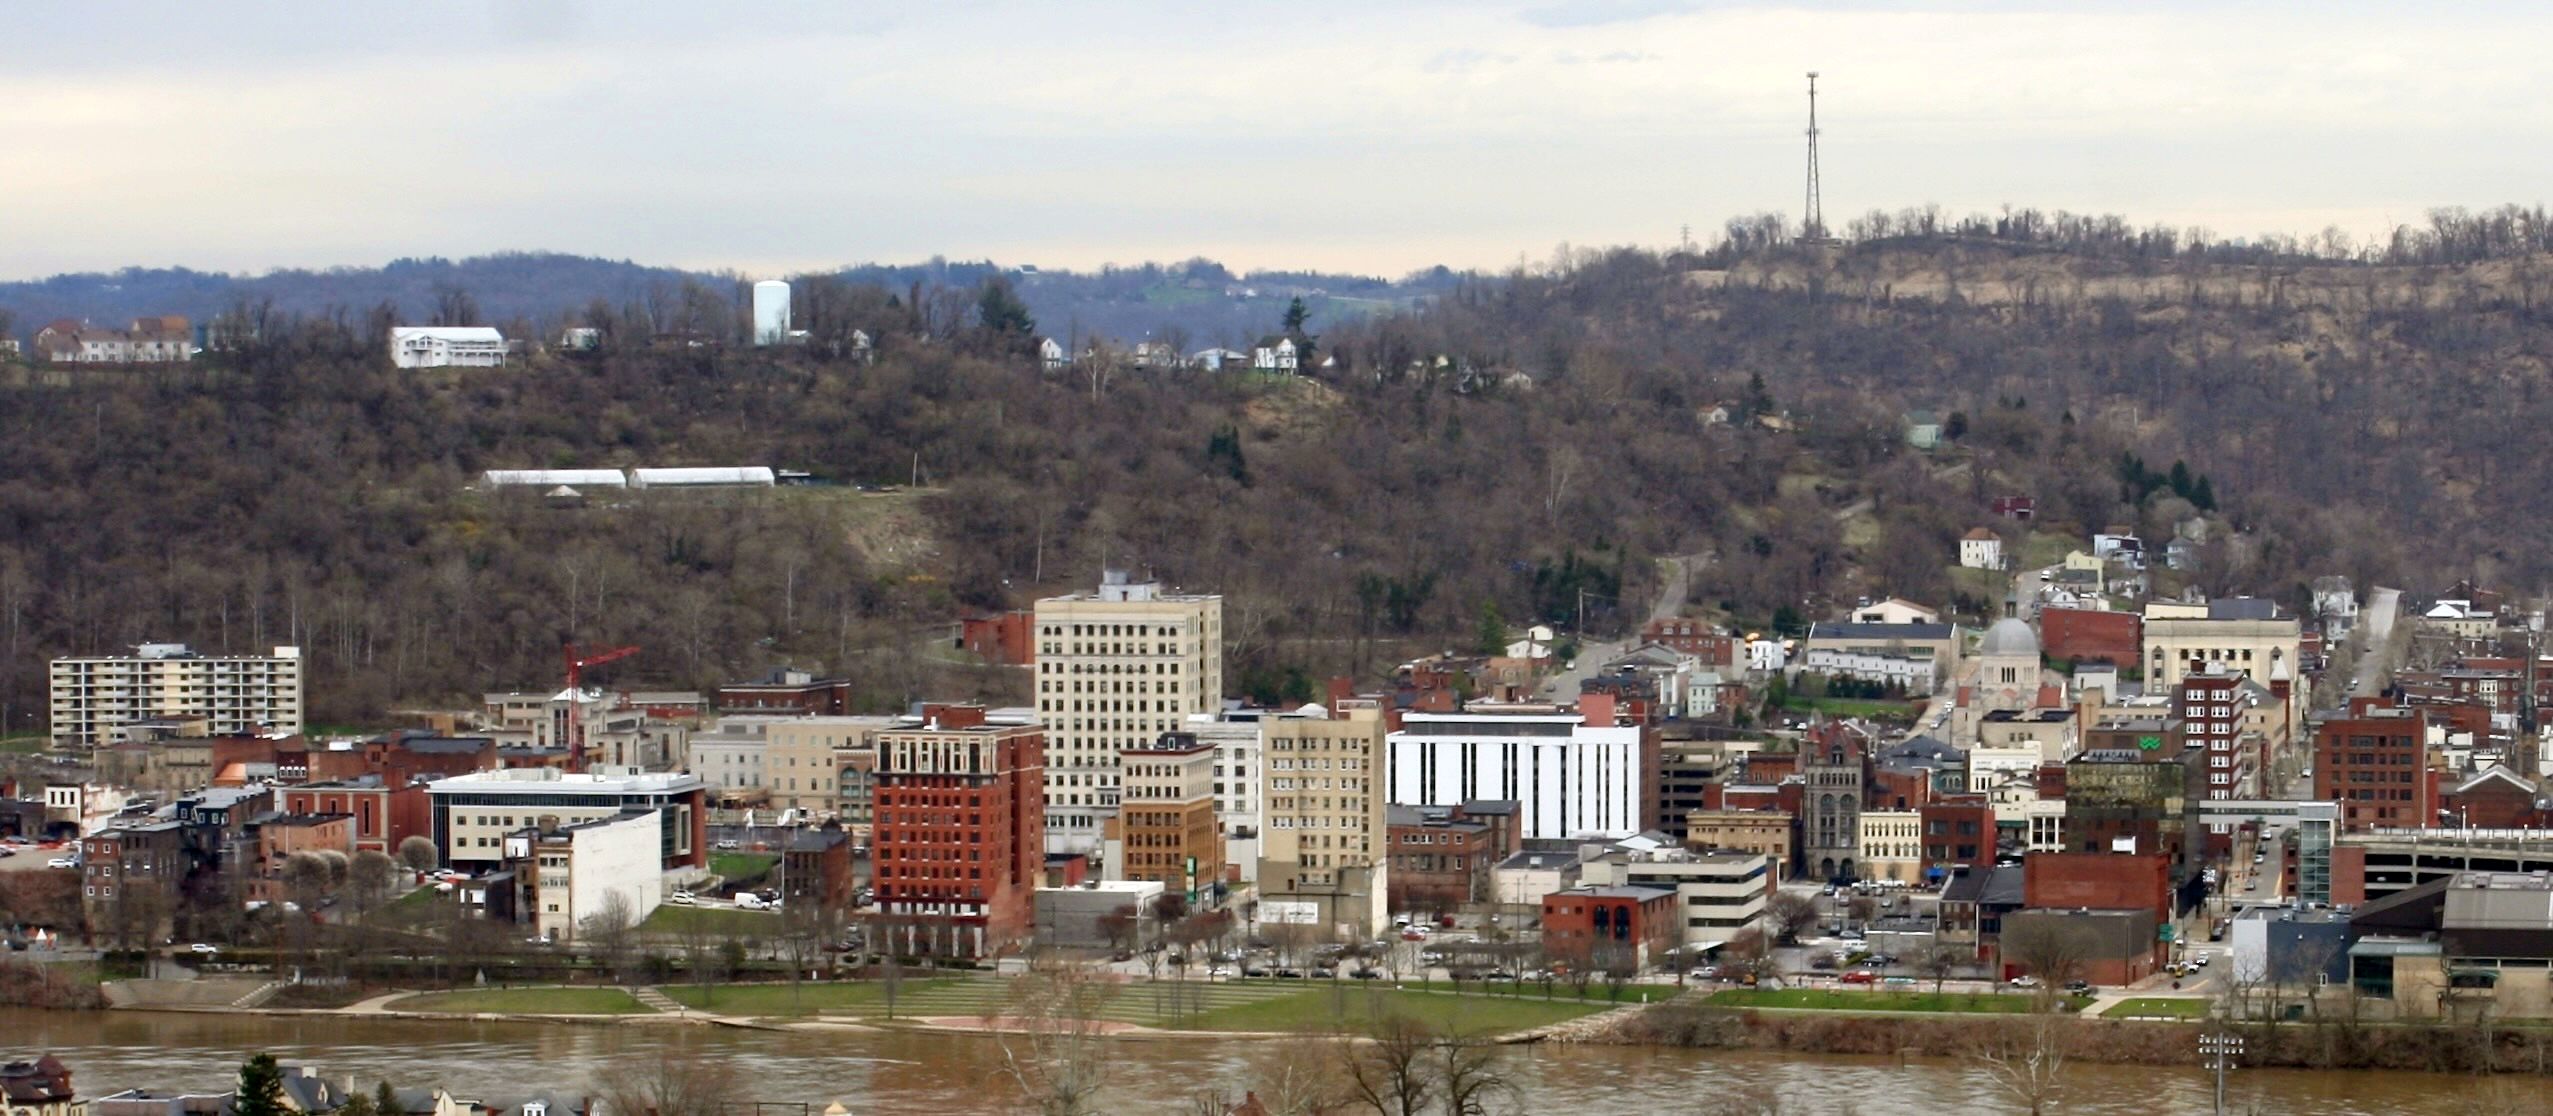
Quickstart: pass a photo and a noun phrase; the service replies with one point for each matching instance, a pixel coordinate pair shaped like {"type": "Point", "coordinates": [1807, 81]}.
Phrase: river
{"type": "Point", "coordinates": [897, 1073]}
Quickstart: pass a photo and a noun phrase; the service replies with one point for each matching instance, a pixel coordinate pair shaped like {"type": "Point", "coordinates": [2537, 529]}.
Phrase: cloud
{"type": "Point", "coordinates": [1596, 13]}
{"type": "Point", "coordinates": [1465, 61]}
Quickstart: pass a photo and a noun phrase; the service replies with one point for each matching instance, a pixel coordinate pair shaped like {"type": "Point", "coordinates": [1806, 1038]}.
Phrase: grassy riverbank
{"type": "Point", "coordinates": [1251, 1005]}
{"type": "Point", "coordinates": [1824, 999]}
{"type": "Point", "coordinates": [524, 1001]}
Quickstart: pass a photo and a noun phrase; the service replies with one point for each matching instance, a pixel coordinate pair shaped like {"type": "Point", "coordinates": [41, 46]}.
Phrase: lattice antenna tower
{"type": "Point", "coordinates": [1813, 213]}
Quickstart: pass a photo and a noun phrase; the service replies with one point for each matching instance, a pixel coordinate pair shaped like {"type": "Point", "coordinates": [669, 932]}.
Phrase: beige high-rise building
{"type": "Point", "coordinates": [1322, 853]}
{"type": "Point", "coordinates": [235, 694]}
{"type": "Point", "coordinates": [821, 766]}
{"type": "Point", "coordinates": [1116, 668]}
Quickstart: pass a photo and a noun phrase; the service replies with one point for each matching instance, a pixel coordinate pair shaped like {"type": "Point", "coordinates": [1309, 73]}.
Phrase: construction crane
{"type": "Point", "coordinates": [576, 665]}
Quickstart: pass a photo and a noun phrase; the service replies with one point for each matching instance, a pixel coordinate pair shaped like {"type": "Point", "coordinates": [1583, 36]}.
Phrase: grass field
{"type": "Point", "coordinates": [738, 866]}
{"type": "Point", "coordinates": [525, 1001]}
{"type": "Point", "coordinates": [1852, 707]}
{"type": "Point", "coordinates": [2174, 1007]}
{"type": "Point", "coordinates": [670, 919]}
{"type": "Point", "coordinates": [23, 745]}
{"type": "Point", "coordinates": [1197, 1006]}
{"type": "Point", "coordinates": [1825, 999]}
{"type": "Point", "coordinates": [862, 998]}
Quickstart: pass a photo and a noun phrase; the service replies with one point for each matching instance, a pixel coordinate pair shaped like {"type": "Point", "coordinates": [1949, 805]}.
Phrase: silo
{"type": "Point", "coordinates": [770, 312]}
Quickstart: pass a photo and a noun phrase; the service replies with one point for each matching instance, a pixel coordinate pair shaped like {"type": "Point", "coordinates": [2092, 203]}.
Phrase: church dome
{"type": "Point", "coordinates": [2011, 637]}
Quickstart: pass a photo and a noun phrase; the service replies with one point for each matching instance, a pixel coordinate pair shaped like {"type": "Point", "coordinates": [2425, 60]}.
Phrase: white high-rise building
{"type": "Point", "coordinates": [1116, 667]}
{"type": "Point", "coordinates": [235, 694]}
{"type": "Point", "coordinates": [1570, 778]}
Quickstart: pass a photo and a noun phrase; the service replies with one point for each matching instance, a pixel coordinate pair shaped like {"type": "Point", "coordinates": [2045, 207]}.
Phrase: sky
{"type": "Point", "coordinates": [1374, 136]}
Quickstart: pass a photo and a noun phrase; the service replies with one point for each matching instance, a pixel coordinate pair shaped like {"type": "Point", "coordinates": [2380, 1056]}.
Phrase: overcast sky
{"type": "Point", "coordinates": [1372, 135]}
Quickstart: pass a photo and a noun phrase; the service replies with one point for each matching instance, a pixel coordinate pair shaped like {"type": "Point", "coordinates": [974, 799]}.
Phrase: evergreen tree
{"type": "Point", "coordinates": [2179, 479]}
{"type": "Point", "coordinates": [1000, 313]}
{"type": "Point", "coordinates": [1490, 638]}
{"type": "Point", "coordinates": [1223, 450]}
{"type": "Point", "coordinates": [2203, 494]}
{"type": "Point", "coordinates": [1956, 426]}
{"type": "Point", "coordinates": [1296, 314]}
{"type": "Point", "coordinates": [261, 1088]}
{"type": "Point", "coordinates": [385, 1101]}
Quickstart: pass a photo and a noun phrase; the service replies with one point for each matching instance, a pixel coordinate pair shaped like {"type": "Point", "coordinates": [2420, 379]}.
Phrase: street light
{"type": "Point", "coordinates": [2219, 1051]}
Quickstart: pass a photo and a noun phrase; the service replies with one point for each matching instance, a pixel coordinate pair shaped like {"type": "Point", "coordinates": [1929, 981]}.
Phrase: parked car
{"type": "Point", "coordinates": [1362, 973]}
{"type": "Point", "coordinates": [2079, 987]}
{"type": "Point", "coordinates": [1254, 971]}
{"type": "Point", "coordinates": [205, 948]}
{"type": "Point", "coordinates": [2025, 981]}
{"type": "Point", "coordinates": [1707, 972]}
{"type": "Point", "coordinates": [1821, 961]}
{"type": "Point", "coordinates": [1289, 974]}
{"type": "Point", "coordinates": [681, 899]}
{"type": "Point", "coordinates": [1860, 976]}
{"type": "Point", "coordinates": [62, 862]}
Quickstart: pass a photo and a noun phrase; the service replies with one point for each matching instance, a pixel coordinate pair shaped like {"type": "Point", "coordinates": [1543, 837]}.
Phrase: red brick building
{"type": "Point", "coordinates": [1000, 638]}
{"type": "Point", "coordinates": [1442, 855]}
{"type": "Point", "coordinates": [404, 757]}
{"type": "Point", "coordinates": [2098, 881]}
{"type": "Point", "coordinates": [1605, 927]}
{"type": "Point", "coordinates": [2375, 764]}
{"type": "Point", "coordinates": [1958, 831]}
{"type": "Point", "coordinates": [383, 815]}
{"type": "Point", "coordinates": [2085, 635]}
{"type": "Point", "coordinates": [788, 691]}
{"type": "Point", "coordinates": [2211, 703]}
{"type": "Point", "coordinates": [1696, 638]}
{"type": "Point", "coordinates": [959, 844]}
{"type": "Point", "coordinates": [2493, 798]}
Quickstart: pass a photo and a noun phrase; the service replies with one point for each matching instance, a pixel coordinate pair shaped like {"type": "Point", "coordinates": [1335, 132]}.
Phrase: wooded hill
{"type": "Point", "coordinates": [1516, 450]}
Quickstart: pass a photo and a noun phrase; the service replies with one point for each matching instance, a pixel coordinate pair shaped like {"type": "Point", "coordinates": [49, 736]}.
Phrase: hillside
{"type": "Point", "coordinates": [535, 293]}
{"type": "Point", "coordinates": [1513, 450]}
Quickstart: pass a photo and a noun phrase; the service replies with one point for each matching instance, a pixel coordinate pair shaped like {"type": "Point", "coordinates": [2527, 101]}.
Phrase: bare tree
{"type": "Point", "coordinates": [1387, 1069]}
{"type": "Point", "coordinates": [606, 932]}
{"type": "Point", "coordinates": [1468, 1076]}
{"type": "Point", "coordinates": [418, 855]}
{"type": "Point", "coordinates": [2049, 950]}
{"type": "Point", "coordinates": [2025, 1059]}
{"type": "Point", "coordinates": [1295, 1077]}
{"type": "Point", "coordinates": [1053, 1043]}
{"type": "Point", "coordinates": [680, 1081]}
{"type": "Point", "coordinates": [1789, 913]}
{"type": "Point", "coordinates": [371, 877]}
{"type": "Point", "coordinates": [1937, 961]}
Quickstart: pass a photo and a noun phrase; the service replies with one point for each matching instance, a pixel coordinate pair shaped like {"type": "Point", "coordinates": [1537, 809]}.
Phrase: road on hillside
{"type": "Point", "coordinates": [2375, 654]}
{"type": "Point", "coordinates": [1592, 656]}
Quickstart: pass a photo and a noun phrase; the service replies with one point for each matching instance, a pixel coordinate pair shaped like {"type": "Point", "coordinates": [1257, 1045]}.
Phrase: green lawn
{"type": "Point", "coordinates": [2176, 1007]}
{"type": "Point", "coordinates": [1325, 1008]}
{"type": "Point", "coordinates": [739, 866]}
{"type": "Point", "coordinates": [24, 745]}
{"type": "Point", "coordinates": [860, 998]}
{"type": "Point", "coordinates": [1826, 999]}
{"type": "Point", "coordinates": [525, 1001]}
{"type": "Point", "coordinates": [1852, 707]}
{"type": "Point", "coordinates": [670, 919]}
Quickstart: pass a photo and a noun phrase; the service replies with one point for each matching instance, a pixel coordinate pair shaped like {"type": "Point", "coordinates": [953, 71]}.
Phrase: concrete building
{"type": "Point", "coordinates": [1938, 642]}
{"type": "Point", "coordinates": [1573, 773]}
{"type": "Point", "coordinates": [446, 347]}
{"type": "Point", "coordinates": [234, 694]}
{"type": "Point", "coordinates": [1716, 894]}
{"type": "Point", "coordinates": [1165, 828]}
{"type": "Point", "coordinates": [473, 814]}
{"type": "Point", "coordinates": [2244, 635]}
{"type": "Point", "coordinates": [1117, 667]}
{"type": "Point", "coordinates": [956, 853]}
{"type": "Point", "coordinates": [570, 872]}
{"type": "Point", "coordinates": [2008, 667]}
{"type": "Point", "coordinates": [1323, 857]}
{"type": "Point", "coordinates": [2211, 700]}
{"type": "Point", "coordinates": [1240, 783]}
{"type": "Point", "coordinates": [730, 758]}
{"type": "Point", "coordinates": [1762, 832]}
{"type": "Point", "coordinates": [1101, 914]}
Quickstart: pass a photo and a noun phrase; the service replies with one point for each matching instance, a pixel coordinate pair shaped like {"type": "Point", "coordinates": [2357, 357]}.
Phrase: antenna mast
{"type": "Point", "coordinates": [1813, 212]}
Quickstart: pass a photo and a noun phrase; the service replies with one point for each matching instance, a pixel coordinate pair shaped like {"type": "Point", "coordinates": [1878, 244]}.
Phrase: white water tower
{"type": "Point", "coordinates": [770, 312]}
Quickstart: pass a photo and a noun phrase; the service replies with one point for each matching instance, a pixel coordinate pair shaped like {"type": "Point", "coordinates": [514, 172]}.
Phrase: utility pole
{"type": "Point", "coordinates": [2219, 1051]}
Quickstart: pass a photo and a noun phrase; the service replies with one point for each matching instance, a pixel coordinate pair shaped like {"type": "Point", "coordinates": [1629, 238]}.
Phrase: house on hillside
{"type": "Point", "coordinates": [159, 339]}
{"type": "Point", "coordinates": [1980, 549]}
{"type": "Point", "coordinates": [1051, 355]}
{"type": "Point", "coordinates": [1923, 429]}
{"type": "Point", "coordinates": [2016, 507]}
{"type": "Point", "coordinates": [1276, 354]}
{"type": "Point", "coordinates": [446, 347]}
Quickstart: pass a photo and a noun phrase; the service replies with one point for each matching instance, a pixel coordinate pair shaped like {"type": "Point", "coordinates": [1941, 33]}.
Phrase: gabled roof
{"type": "Point", "coordinates": [2495, 771]}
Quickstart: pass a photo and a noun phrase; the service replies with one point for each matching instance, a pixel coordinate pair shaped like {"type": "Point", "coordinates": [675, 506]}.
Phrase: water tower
{"type": "Point", "coordinates": [770, 312]}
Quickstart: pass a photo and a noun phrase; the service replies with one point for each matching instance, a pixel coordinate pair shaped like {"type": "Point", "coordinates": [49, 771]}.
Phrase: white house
{"type": "Point", "coordinates": [1276, 355]}
{"type": "Point", "coordinates": [1979, 549]}
{"type": "Point", "coordinates": [1764, 656]}
{"type": "Point", "coordinates": [1919, 675]}
{"type": "Point", "coordinates": [446, 347]}
{"type": "Point", "coordinates": [579, 339]}
{"type": "Point", "coordinates": [1050, 353]}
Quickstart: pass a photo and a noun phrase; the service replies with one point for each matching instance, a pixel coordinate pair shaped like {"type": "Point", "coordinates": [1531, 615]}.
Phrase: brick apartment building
{"type": "Point", "coordinates": [959, 841]}
{"type": "Point", "coordinates": [1696, 638]}
{"type": "Point", "coordinates": [1441, 856]}
{"type": "Point", "coordinates": [2374, 762]}
{"type": "Point", "coordinates": [1957, 831]}
{"type": "Point", "coordinates": [788, 691]}
{"type": "Point", "coordinates": [1165, 828]}
{"type": "Point", "coordinates": [1002, 638]}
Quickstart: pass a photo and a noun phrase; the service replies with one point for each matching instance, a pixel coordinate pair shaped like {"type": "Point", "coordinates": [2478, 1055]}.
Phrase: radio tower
{"type": "Point", "coordinates": [1813, 216]}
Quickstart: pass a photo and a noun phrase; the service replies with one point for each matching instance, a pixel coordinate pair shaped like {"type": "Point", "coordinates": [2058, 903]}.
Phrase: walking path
{"type": "Point", "coordinates": [656, 998]}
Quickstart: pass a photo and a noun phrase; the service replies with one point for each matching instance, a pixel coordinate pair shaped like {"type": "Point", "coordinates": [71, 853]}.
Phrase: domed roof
{"type": "Point", "coordinates": [2011, 636]}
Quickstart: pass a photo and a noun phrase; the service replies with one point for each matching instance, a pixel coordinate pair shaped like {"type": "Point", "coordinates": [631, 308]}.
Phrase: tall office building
{"type": "Point", "coordinates": [956, 858]}
{"type": "Point", "coordinates": [1116, 668]}
{"type": "Point", "coordinates": [1325, 850]}
{"type": "Point", "coordinates": [235, 694]}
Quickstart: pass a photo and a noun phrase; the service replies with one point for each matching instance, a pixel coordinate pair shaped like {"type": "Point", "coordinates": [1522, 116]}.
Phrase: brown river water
{"type": "Point", "coordinates": [895, 1073]}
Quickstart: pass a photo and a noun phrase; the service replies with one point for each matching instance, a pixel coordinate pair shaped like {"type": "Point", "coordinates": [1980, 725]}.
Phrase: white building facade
{"type": "Point", "coordinates": [578, 868]}
{"type": "Point", "coordinates": [446, 347]}
{"type": "Point", "coordinates": [1115, 668]}
{"type": "Point", "coordinates": [1569, 778]}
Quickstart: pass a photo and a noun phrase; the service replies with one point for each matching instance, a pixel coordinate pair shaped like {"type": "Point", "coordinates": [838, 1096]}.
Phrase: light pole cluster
{"type": "Point", "coordinates": [2219, 1052]}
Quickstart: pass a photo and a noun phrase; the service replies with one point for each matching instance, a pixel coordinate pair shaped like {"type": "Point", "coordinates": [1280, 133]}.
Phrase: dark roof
{"type": "Point", "coordinates": [2242, 608]}
{"type": "Point", "coordinates": [1643, 894]}
{"type": "Point", "coordinates": [2003, 887]}
{"type": "Point", "coordinates": [1879, 631]}
{"type": "Point", "coordinates": [817, 840]}
{"type": "Point", "coordinates": [2417, 909]}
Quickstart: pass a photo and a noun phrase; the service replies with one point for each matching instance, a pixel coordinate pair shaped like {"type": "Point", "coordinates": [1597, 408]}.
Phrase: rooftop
{"type": "Point", "coordinates": [1879, 631]}
{"type": "Point", "coordinates": [550, 780]}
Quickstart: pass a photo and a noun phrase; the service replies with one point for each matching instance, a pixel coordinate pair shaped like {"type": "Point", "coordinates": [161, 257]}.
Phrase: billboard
{"type": "Point", "coordinates": [1290, 912]}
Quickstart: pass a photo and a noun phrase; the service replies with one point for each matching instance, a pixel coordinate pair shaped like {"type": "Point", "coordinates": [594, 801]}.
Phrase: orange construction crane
{"type": "Point", "coordinates": [576, 689]}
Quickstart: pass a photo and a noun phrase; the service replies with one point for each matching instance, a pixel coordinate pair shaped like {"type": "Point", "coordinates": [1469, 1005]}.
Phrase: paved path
{"type": "Point", "coordinates": [655, 998]}
{"type": "Point", "coordinates": [2375, 627]}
